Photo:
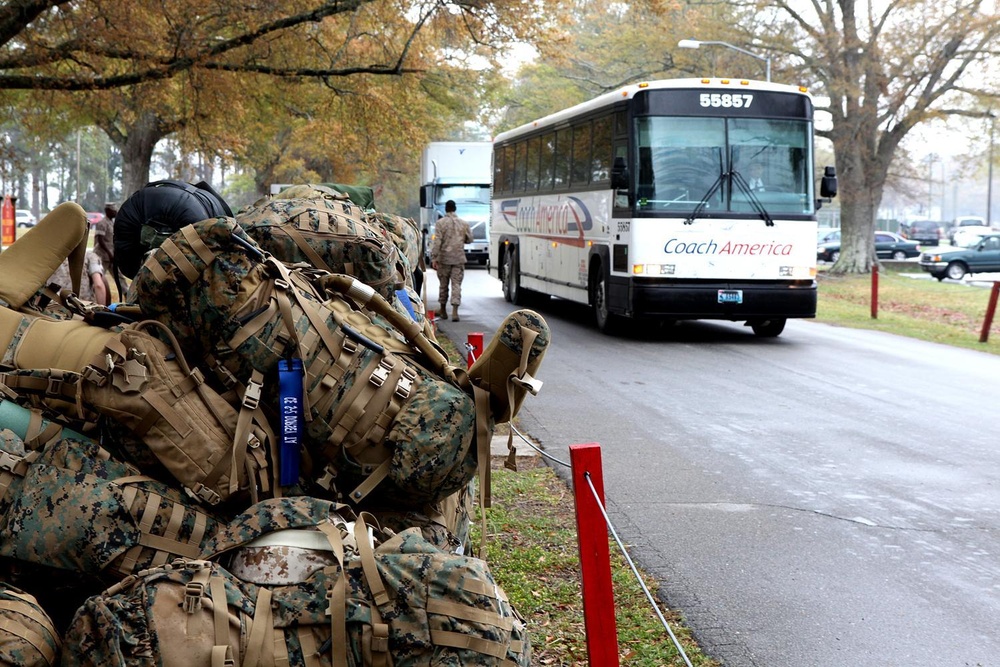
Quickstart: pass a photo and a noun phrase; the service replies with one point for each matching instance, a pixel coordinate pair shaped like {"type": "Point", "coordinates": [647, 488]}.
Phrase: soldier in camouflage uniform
{"type": "Point", "coordinates": [104, 239]}
{"type": "Point", "coordinates": [93, 285]}
{"type": "Point", "coordinates": [448, 258]}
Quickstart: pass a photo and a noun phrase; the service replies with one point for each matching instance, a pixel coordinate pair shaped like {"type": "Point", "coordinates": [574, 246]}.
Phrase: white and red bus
{"type": "Point", "coordinates": [666, 200]}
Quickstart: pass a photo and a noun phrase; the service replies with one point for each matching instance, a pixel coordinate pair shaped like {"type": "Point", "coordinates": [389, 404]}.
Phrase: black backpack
{"type": "Point", "coordinates": [156, 211]}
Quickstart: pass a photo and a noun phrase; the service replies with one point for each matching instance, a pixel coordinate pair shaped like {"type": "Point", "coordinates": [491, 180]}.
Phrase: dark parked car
{"type": "Point", "coordinates": [887, 246]}
{"type": "Point", "coordinates": [980, 257]}
{"type": "Point", "coordinates": [924, 232]}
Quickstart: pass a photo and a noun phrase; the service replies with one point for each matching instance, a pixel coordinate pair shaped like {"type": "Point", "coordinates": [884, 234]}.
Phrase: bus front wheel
{"type": "Point", "coordinates": [606, 321]}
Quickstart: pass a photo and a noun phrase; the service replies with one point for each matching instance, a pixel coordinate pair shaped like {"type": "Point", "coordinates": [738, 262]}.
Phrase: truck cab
{"type": "Point", "coordinates": [462, 172]}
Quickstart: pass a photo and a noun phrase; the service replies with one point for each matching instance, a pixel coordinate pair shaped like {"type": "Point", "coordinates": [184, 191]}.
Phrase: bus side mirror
{"type": "Point", "coordinates": [828, 185]}
{"type": "Point", "coordinates": [619, 174]}
{"type": "Point", "coordinates": [423, 196]}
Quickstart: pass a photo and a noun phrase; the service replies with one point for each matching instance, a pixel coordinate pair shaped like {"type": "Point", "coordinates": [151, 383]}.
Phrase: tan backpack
{"type": "Point", "coordinates": [146, 386]}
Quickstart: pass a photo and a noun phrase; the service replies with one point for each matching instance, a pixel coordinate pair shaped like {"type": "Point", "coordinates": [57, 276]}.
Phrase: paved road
{"type": "Point", "coordinates": [827, 498]}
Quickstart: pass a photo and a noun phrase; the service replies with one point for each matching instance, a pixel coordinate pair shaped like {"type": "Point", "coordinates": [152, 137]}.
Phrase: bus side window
{"type": "Point", "coordinates": [548, 156]}
{"type": "Point", "coordinates": [601, 152]}
{"type": "Point", "coordinates": [563, 152]}
{"type": "Point", "coordinates": [508, 168]}
{"type": "Point", "coordinates": [581, 154]}
{"type": "Point", "coordinates": [531, 175]}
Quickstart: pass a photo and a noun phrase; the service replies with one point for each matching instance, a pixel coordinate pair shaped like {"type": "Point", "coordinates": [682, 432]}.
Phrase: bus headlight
{"type": "Point", "coordinates": [653, 269]}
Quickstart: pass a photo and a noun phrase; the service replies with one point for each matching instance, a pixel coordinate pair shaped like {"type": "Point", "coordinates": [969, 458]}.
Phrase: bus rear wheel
{"type": "Point", "coordinates": [767, 328]}
{"type": "Point", "coordinates": [511, 278]}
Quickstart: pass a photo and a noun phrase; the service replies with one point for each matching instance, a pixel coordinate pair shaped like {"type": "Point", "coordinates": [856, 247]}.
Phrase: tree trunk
{"type": "Point", "coordinates": [136, 143]}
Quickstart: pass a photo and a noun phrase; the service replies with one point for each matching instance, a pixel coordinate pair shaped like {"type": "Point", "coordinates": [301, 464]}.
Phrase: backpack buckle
{"type": "Point", "coordinates": [193, 591]}
{"type": "Point", "coordinates": [325, 481]}
{"type": "Point", "coordinates": [9, 462]}
{"type": "Point", "coordinates": [251, 397]}
{"type": "Point", "coordinates": [381, 374]}
{"type": "Point", "coordinates": [204, 494]}
{"type": "Point", "coordinates": [54, 387]}
{"type": "Point", "coordinates": [405, 384]}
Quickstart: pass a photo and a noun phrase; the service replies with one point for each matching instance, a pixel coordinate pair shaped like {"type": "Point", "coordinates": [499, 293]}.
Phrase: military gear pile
{"type": "Point", "coordinates": [264, 451]}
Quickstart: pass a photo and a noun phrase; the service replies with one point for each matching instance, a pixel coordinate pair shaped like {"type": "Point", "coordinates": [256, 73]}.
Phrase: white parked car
{"type": "Point", "coordinates": [24, 218]}
{"type": "Point", "coordinates": [966, 237]}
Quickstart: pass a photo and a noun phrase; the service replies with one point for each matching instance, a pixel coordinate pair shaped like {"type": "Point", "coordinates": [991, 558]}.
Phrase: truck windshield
{"type": "Point", "coordinates": [462, 193]}
{"type": "Point", "coordinates": [681, 158]}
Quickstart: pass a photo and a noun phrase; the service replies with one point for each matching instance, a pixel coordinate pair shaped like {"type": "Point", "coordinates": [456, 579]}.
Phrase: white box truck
{"type": "Point", "coordinates": [460, 171]}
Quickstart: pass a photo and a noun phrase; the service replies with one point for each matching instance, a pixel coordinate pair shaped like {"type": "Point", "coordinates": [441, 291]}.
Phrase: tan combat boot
{"type": "Point", "coordinates": [454, 313]}
{"type": "Point", "coordinates": [507, 366]}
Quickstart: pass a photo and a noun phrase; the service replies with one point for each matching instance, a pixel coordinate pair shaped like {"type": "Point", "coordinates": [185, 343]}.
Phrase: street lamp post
{"type": "Point", "coordinates": [697, 44]}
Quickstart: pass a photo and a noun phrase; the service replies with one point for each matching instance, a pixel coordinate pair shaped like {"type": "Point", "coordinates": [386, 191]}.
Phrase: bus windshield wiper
{"type": "Point", "coordinates": [744, 187]}
{"type": "Point", "coordinates": [703, 202]}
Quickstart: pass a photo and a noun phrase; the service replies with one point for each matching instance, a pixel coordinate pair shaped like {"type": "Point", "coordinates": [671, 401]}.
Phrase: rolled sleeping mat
{"type": "Point", "coordinates": [28, 424]}
{"type": "Point", "coordinates": [30, 261]}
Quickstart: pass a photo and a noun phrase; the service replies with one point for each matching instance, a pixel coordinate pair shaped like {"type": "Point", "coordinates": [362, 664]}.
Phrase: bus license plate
{"type": "Point", "coordinates": [730, 296]}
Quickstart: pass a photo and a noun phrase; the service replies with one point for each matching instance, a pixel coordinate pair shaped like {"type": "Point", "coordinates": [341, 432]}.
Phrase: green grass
{"type": "Point", "coordinates": [532, 551]}
{"type": "Point", "coordinates": [939, 312]}
{"type": "Point", "coordinates": [532, 548]}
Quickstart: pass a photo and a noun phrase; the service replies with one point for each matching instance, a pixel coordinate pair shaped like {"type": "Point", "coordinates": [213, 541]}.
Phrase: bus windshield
{"type": "Point", "coordinates": [723, 164]}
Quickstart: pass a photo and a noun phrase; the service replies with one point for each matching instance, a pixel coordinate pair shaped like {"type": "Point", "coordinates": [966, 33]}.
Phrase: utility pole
{"type": "Point", "coordinates": [989, 174]}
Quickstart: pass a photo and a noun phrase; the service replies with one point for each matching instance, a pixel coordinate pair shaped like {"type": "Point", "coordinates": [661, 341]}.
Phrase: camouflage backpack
{"type": "Point", "coordinates": [164, 408]}
{"type": "Point", "coordinates": [27, 636]}
{"type": "Point", "coordinates": [70, 506]}
{"type": "Point", "coordinates": [381, 600]}
{"type": "Point", "coordinates": [404, 232]}
{"type": "Point", "coordinates": [384, 405]}
{"type": "Point", "coordinates": [321, 227]}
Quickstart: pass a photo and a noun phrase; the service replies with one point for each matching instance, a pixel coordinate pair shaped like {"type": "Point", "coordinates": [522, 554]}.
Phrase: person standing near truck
{"type": "Point", "coordinates": [448, 258]}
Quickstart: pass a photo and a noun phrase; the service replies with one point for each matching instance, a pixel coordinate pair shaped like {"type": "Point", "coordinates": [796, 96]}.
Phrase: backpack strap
{"type": "Point", "coordinates": [336, 596]}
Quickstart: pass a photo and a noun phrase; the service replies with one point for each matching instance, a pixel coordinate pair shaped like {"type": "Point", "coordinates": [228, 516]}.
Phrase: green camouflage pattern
{"type": "Point", "coordinates": [334, 229]}
{"type": "Point", "coordinates": [28, 637]}
{"type": "Point", "coordinates": [137, 622]}
{"type": "Point", "coordinates": [429, 439]}
{"type": "Point", "coordinates": [404, 232]}
{"type": "Point", "coordinates": [74, 509]}
{"type": "Point", "coordinates": [509, 333]}
{"type": "Point", "coordinates": [212, 294]}
{"type": "Point", "coordinates": [274, 514]}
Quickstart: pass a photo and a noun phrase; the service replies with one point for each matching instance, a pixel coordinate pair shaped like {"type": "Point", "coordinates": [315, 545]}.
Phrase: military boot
{"type": "Point", "coordinates": [507, 367]}
{"type": "Point", "coordinates": [442, 313]}
{"type": "Point", "coordinates": [454, 313]}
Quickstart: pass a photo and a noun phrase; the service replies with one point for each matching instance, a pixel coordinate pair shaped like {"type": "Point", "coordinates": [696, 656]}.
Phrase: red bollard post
{"type": "Point", "coordinates": [875, 291]}
{"type": "Point", "coordinates": [595, 558]}
{"type": "Point", "coordinates": [475, 346]}
{"type": "Point", "coordinates": [8, 217]}
{"type": "Point", "coordinates": [984, 335]}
